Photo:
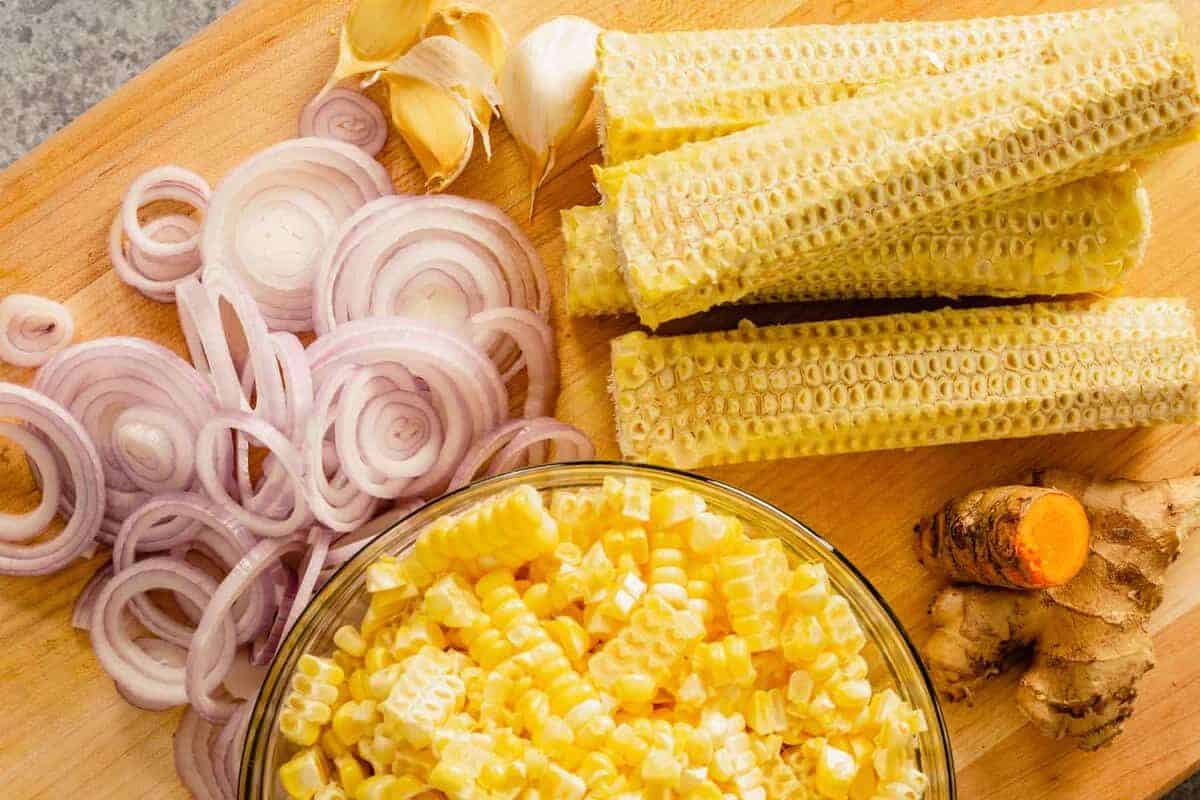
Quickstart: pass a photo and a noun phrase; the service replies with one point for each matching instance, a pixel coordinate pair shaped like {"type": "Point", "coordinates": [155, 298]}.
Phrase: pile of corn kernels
{"type": "Point", "coordinates": [621, 643]}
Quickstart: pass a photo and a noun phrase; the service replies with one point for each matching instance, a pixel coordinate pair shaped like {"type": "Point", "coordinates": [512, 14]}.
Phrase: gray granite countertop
{"type": "Point", "coordinates": [58, 57]}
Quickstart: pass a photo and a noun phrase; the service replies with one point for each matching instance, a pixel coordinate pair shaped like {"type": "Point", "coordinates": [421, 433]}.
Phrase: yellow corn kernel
{"type": "Point", "coordinates": [629, 498]}
{"type": "Point", "coordinates": [780, 779]}
{"type": "Point", "coordinates": [673, 506]}
{"type": "Point", "coordinates": [656, 638]}
{"type": "Point", "coordinates": [886, 382]}
{"type": "Point", "coordinates": [724, 663]}
{"type": "Point", "coordinates": [767, 712]}
{"type": "Point", "coordinates": [331, 792]}
{"type": "Point", "coordinates": [835, 771]}
{"type": "Point", "coordinates": [322, 670]}
{"type": "Point", "coordinates": [851, 694]}
{"type": "Point", "coordinates": [809, 589]}
{"type": "Point", "coordinates": [450, 602]}
{"type": "Point", "coordinates": [304, 774]}
{"type": "Point", "coordinates": [297, 728]}
{"type": "Point", "coordinates": [348, 640]}
{"type": "Point", "coordinates": [627, 746]}
{"type": "Point", "coordinates": [661, 768]}
{"type": "Point", "coordinates": [799, 690]}
{"type": "Point", "coordinates": [331, 745]}
{"type": "Point", "coordinates": [751, 582]}
{"type": "Point", "coordinates": [354, 720]}
{"type": "Point", "coordinates": [422, 698]}
{"type": "Point", "coordinates": [568, 634]}
{"type": "Point", "coordinates": [659, 90]}
{"type": "Point", "coordinates": [630, 542]}
{"type": "Point", "coordinates": [350, 772]}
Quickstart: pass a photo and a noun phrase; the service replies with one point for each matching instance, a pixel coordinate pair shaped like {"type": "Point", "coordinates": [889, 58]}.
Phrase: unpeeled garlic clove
{"type": "Point", "coordinates": [431, 91]}
{"type": "Point", "coordinates": [546, 85]}
{"type": "Point", "coordinates": [376, 33]}
{"type": "Point", "coordinates": [434, 125]}
{"type": "Point", "coordinates": [479, 30]}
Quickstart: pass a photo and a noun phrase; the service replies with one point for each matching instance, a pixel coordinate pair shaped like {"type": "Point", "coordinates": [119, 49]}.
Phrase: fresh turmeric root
{"type": "Point", "coordinates": [1090, 637]}
{"type": "Point", "coordinates": [1019, 537]}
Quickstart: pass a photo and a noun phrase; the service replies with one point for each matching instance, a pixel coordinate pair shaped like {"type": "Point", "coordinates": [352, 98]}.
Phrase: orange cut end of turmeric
{"type": "Point", "coordinates": [1054, 537]}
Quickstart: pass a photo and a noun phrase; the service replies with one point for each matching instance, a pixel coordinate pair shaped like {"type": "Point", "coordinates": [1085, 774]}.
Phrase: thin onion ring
{"type": "Point", "coordinates": [347, 116]}
{"type": "Point", "coordinates": [32, 329]}
{"type": "Point", "coordinates": [72, 448]}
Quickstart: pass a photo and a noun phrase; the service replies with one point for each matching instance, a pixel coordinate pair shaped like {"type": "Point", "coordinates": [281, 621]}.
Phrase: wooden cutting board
{"type": "Point", "coordinates": [238, 86]}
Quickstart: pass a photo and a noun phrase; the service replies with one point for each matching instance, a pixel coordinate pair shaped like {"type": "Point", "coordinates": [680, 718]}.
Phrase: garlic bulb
{"type": "Point", "coordinates": [546, 86]}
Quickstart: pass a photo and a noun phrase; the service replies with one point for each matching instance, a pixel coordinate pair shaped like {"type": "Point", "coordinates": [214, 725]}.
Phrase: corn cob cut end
{"type": "Point", "coordinates": [905, 380]}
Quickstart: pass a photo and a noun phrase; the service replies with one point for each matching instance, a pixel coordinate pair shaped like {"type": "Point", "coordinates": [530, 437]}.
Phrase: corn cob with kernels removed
{"type": "Point", "coordinates": [657, 91]}
{"type": "Point", "coordinates": [712, 222]}
{"type": "Point", "coordinates": [1079, 238]}
{"type": "Point", "coordinates": [904, 380]}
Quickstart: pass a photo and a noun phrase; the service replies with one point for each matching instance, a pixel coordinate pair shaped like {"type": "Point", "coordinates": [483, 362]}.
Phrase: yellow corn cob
{"type": "Point", "coordinates": [1080, 238]}
{"type": "Point", "coordinates": [712, 222]}
{"type": "Point", "coordinates": [904, 380]}
{"type": "Point", "coordinates": [659, 90]}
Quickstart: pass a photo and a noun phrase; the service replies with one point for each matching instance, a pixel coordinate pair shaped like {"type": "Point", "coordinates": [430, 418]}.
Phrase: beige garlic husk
{"type": "Point", "coordinates": [546, 87]}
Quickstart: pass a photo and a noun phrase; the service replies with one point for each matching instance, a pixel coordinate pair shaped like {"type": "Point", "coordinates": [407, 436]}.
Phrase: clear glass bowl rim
{"type": "Point", "coordinates": [262, 718]}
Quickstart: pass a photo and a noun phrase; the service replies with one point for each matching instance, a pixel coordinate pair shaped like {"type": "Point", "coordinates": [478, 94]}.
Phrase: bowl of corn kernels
{"type": "Point", "coordinates": [597, 630]}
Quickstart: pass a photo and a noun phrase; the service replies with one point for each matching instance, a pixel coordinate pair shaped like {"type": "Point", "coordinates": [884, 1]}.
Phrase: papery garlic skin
{"type": "Point", "coordinates": [547, 86]}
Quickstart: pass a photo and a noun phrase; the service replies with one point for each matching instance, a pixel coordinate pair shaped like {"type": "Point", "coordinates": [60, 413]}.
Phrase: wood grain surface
{"type": "Point", "coordinates": [237, 87]}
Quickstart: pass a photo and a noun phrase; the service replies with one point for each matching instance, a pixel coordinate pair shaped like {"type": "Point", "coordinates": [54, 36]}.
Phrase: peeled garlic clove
{"type": "Point", "coordinates": [376, 33]}
{"type": "Point", "coordinates": [478, 30]}
{"type": "Point", "coordinates": [546, 85]}
{"type": "Point", "coordinates": [445, 63]}
{"type": "Point", "coordinates": [435, 125]}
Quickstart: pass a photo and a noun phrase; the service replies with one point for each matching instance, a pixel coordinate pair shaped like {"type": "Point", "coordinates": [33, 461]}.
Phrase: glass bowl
{"type": "Point", "coordinates": [894, 660]}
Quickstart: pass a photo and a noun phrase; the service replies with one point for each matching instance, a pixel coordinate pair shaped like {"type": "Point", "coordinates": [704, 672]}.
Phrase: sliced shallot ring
{"type": "Point", "coordinates": [71, 447]}
{"type": "Point", "coordinates": [264, 649]}
{"type": "Point", "coordinates": [472, 248]}
{"type": "Point", "coordinates": [20, 528]}
{"type": "Point", "coordinates": [122, 658]}
{"type": "Point", "coordinates": [535, 338]}
{"type": "Point", "coordinates": [81, 615]}
{"type": "Point", "coordinates": [165, 653]}
{"type": "Point", "coordinates": [163, 183]}
{"type": "Point", "coordinates": [270, 218]}
{"type": "Point", "coordinates": [335, 501]}
{"type": "Point", "coordinates": [314, 562]}
{"type": "Point", "coordinates": [221, 537]}
{"type": "Point", "coordinates": [155, 448]}
{"type": "Point", "coordinates": [153, 279]}
{"type": "Point", "coordinates": [504, 444]}
{"type": "Point", "coordinates": [97, 380]}
{"type": "Point", "coordinates": [225, 330]}
{"type": "Point", "coordinates": [288, 458]}
{"type": "Point", "coordinates": [32, 329]}
{"type": "Point", "coordinates": [348, 116]}
{"type": "Point", "coordinates": [195, 740]}
{"type": "Point", "coordinates": [227, 750]}
{"type": "Point", "coordinates": [206, 667]}
{"type": "Point", "coordinates": [370, 417]}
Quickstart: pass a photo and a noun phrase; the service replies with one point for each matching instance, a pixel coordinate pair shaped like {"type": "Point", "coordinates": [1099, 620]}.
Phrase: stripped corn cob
{"type": "Point", "coordinates": [1079, 238]}
{"type": "Point", "coordinates": [659, 90]}
{"type": "Point", "coordinates": [904, 380]}
{"type": "Point", "coordinates": [712, 222]}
